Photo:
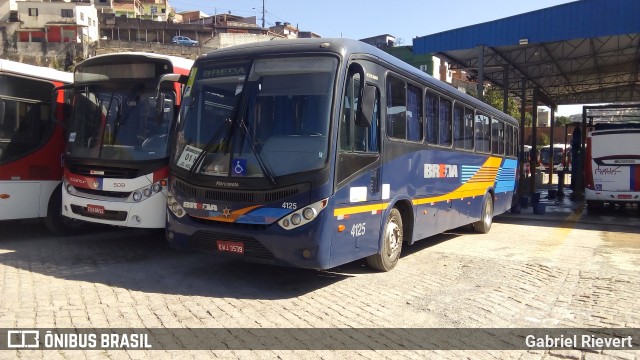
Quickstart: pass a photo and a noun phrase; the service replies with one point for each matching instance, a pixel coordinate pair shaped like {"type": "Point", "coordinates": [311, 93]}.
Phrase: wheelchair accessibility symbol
{"type": "Point", "coordinates": [240, 167]}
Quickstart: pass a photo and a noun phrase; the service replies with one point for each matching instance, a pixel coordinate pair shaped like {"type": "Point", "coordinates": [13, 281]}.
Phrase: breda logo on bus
{"type": "Point", "coordinates": [199, 206]}
{"type": "Point", "coordinates": [432, 171]}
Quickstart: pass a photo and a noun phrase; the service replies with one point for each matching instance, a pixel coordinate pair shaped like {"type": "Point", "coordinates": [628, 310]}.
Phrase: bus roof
{"type": "Point", "coordinates": [178, 62]}
{"type": "Point", "coordinates": [345, 48]}
{"type": "Point", "coordinates": [36, 72]}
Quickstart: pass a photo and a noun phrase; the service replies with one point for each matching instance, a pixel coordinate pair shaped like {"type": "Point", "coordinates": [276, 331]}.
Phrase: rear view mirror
{"type": "Point", "coordinates": [160, 98]}
{"type": "Point", "coordinates": [367, 103]}
{"type": "Point", "coordinates": [164, 79]}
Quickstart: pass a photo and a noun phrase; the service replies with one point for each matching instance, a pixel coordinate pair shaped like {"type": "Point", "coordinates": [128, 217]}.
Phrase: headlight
{"type": "Point", "coordinates": [302, 216]}
{"type": "Point", "coordinates": [309, 213]}
{"type": "Point", "coordinates": [175, 207]}
{"type": "Point", "coordinates": [148, 191]}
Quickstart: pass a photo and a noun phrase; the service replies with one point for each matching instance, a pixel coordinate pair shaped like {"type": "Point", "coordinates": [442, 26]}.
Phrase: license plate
{"type": "Point", "coordinates": [231, 246]}
{"type": "Point", "coordinates": [95, 209]}
{"type": "Point", "coordinates": [624, 196]}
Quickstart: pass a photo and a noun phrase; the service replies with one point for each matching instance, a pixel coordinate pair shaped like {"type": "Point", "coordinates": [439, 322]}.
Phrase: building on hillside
{"type": "Point", "coordinates": [284, 30]}
{"type": "Point", "coordinates": [544, 117]}
{"type": "Point", "coordinates": [308, 35]}
{"type": "Point", "coordinates": [6, 7]}
{"type": "Point", "coordinates": [104, 6]}
{"type": "Point", "coordinates": [381, 41]}
{"type": "Point", "coordinates": [192, 17]}
{"type": "Point", "coordinates": [157, 10]}
{"type": "Point", "coordinates": [463, 81]}
{"type": "Point", "coordinates": [57, 22]}
{"type": "Point", "coordinates": [127, 8]}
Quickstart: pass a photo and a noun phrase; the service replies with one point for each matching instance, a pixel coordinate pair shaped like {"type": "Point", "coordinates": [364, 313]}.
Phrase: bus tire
{"type": "Point", "coordinates": [391, 244]}
{"type": "Point", "coordinates": [55, 222]}
{"type": "Point", "coordinates": [483, 225]}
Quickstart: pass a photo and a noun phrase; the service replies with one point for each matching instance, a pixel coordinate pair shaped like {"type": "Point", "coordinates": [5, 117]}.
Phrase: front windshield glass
{"type": "Point", "coordinates": [546, 152]}
{"type": "Point", "coordinates": [119, 123]}
{"type": "Point", "coordinates": [265, 118]}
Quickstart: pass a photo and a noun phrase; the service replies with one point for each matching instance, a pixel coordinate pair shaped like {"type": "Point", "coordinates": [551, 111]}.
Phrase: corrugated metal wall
{"type": "Point", "coordinates": [576, 20]}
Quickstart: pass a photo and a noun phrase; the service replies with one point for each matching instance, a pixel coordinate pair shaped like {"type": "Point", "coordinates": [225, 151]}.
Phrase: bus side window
{"type": "Point", "coordinates": [458, 127]}
{"type": "Point", "coordinates": [396, 108]}
{"type": "Point", "coordinates": [356, 138]}
{"type": "Point", "coordinates": [468, 129]}
{"type": "Point", "coordinates": [414, 113]}
{"type": "Point", "coordinates": [431, 102]}
{"type": "Point", "coordinates": [483, 133]}
{"type": "Point", "coordinates": [497, 137]}
{"type": "Point", "coordinates": [445, 122]}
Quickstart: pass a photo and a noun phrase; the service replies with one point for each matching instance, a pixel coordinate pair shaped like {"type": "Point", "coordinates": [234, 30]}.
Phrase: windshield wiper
{"type": "Point", "coordinates": [208, 146]}
{"type": "Point", "coordinates": [263, 165]}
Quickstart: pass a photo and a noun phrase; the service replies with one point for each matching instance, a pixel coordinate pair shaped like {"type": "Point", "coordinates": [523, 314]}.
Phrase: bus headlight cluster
{"type": "Point", "coordinates": [148, 191]}
{"type": "Point", "coordinates": [175, 207]}
{"type": "Point", "coordinates": [302, 216]}
{"type": "Point", "coordinates": [69, 188]}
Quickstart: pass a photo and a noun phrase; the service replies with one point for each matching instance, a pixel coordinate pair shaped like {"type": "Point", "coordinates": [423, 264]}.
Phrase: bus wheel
{"type": "Point", "coordinates": [391, 244]}
{"type": "Point", "coordinates": [54, 221]}
{"type": "Point", "coordinates": [484, 224]}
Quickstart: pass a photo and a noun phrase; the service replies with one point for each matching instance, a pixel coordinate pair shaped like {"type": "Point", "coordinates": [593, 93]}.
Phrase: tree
{"type": "Point", "coordinates": [494, 97]}
{"type": "Point", "coordinates": [562, 120]}
{"type": "Point", "coordinates": [543, 140]}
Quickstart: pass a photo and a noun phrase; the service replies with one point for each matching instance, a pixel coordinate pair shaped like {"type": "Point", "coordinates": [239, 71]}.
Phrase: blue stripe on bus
{"type": "Point", "coordinates": [506, 178]}
{"type": "Point", "coordinates": [467, 172]}
{"type": "Point", "coordinates": [263, 216]}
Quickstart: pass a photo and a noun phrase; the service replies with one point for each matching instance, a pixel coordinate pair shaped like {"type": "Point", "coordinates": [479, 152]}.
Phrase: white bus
{"type": "Point", "coordinates": [560, 160]}
{"type": "Point", "coordinates": [612, 165]}
{"type": "Point", "coordinates": [117, 156]}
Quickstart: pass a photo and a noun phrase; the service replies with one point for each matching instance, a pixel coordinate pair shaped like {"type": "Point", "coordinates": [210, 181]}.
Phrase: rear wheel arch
{"type": "Point", "coordinates": [406, 211]}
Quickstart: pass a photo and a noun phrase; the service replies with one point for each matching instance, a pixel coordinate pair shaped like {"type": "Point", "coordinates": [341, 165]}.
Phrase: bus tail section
{"type": "Point", "coordinates": [612, 165]}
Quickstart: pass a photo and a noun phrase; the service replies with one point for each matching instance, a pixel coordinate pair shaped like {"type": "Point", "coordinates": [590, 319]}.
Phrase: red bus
{"type": "Point", "coordinates": [31, 143]}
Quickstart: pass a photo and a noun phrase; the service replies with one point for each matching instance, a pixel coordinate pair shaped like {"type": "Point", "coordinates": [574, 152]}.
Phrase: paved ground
{"type": "Point", "coordinates": [561, 269]}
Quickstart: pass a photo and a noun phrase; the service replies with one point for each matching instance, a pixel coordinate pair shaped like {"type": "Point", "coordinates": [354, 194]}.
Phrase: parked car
{"type": "Point", "coordinates": [183, 40]}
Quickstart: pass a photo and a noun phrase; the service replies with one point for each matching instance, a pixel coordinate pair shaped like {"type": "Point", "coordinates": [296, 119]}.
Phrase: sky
{"type": "Point", "coordinates": [404, 19]}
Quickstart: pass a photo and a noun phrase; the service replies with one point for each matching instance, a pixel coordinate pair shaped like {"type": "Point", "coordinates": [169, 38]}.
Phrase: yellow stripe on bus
{"type": "Point", "coordinates": [476, 186]}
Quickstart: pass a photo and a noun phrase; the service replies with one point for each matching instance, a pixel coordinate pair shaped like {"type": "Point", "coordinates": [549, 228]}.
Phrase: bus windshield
{"type": "Point", "coordinates": [261, 118]}
{"type": "Point", "coordinates": [545, 155]}
{"type": "Point", "coordinates": [119, 123]}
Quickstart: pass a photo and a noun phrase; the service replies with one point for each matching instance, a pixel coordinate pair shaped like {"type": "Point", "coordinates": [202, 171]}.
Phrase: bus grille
{"type": "Point", "coordinates": [255, 196]}
{"type": "Point", "coordinates": [111, 194]}
{"type": "Point", "coordinates": [206, 241]}
{"type": "Point", "coordinates": [108, 214]}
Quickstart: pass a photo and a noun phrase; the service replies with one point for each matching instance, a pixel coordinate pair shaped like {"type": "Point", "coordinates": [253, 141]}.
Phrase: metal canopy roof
{"type": "Point", "coordinates": [581, 52]}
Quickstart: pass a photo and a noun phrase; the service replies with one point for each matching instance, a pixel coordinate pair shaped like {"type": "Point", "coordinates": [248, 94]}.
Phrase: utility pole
{"type": "Point", "coordinates": [263, 14]}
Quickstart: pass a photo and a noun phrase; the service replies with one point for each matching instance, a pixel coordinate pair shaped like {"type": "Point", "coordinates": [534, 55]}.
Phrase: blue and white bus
{"type": "Point", "coordinates": [316, 152]}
